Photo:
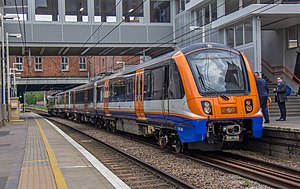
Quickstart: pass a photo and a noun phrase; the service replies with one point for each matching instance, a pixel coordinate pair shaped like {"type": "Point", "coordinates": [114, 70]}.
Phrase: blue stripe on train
{"type": "Point", "coordinates": [192, 130]}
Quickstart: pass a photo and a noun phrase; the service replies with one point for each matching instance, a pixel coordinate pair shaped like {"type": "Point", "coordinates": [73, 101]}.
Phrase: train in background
{"type": "Point", "coordinates": [203, 96]}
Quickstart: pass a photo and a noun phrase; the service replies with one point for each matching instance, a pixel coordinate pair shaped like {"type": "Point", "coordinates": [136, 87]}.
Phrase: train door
{"type": "Point", "coordinates": [106, 96]}
{"type": "Point", "coordinates": [139, 94]}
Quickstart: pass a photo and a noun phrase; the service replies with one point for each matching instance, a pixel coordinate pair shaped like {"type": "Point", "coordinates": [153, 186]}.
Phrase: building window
{"type": "Point", "coordinates": [292, 35]}
{"type": "Point", "coordinates": [248, 32]}
{"type": "Point", "coordinates": [133, 10]}
{"type": "Point", "coordinates": [76, 11]}
{"type": "Point", "coordinates": [19, 63]}
{"type": "Point", "coordinates": [231, 6]}
{"type": "Point", "coordinates": [82, 63]}
{"type": "Point", "coordinates": [248, 2]}
{"type": "Point", "coordinates": [38, 63]}
{"type": "Point", "coordinates": [213, 12]}
{"type": "Point", "coordinates": [180, 5]}
{"type": "Point", "coordinates": [240, 34]}
{"type": "Point", "coordinates": [64, 64]}
{"type": "Point", "coordinates": [16, 8]}
{"type": "Point", "coordinates": [230, 37]}
{"type": "Point", "coordinates": [105, 11]}
{"type": "Point", "coordinates": [199, 15]}
{"type": "Point", "coordinates": [46, 10]}
{"type": "Point", "coordinates": [206, 14]}
{"type": "Point", "coordinates": [160, 11]}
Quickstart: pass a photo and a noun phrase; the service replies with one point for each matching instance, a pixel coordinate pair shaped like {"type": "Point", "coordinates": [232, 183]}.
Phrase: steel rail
{"type": "Point", "coordinates": [176, 181]}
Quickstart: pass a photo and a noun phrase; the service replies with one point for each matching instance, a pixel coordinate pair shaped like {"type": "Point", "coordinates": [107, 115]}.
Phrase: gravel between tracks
{"type": "Point", "coordinates": [200, 175]}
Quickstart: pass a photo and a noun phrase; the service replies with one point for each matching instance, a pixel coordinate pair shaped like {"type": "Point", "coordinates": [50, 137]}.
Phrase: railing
{"type": "Point", "coordinates": [279, 70]}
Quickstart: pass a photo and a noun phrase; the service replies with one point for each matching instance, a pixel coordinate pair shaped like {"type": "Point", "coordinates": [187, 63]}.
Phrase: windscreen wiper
{"type": "Point", "coordinates": [208, 87]}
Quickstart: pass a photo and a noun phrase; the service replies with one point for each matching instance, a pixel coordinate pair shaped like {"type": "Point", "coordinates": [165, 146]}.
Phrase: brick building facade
{"type": "Point", "coordinates": [69, 66]}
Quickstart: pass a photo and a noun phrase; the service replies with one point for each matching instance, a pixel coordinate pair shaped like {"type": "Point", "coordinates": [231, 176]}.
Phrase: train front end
{"type": "Point", "coordinates": [221, 96]}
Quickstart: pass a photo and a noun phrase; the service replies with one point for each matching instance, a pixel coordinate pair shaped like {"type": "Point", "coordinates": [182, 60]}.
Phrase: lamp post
{"type": "Point", "coordinates": [8, 72]}
{"type": "Point", "coordinates": [3, 102]}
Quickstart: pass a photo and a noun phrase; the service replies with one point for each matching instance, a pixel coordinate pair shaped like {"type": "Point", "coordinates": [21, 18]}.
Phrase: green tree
{"type": "Point", "coordinates": [33, 97]}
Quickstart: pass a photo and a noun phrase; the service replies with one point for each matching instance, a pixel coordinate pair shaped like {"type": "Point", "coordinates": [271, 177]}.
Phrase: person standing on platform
{"type": "Point", "coordinates": [281, 98]}
{"type": "Point", "coordinates": [263, 93]}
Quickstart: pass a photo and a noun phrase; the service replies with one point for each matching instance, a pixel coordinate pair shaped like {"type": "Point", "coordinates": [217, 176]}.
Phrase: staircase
{"type": "Point", "coordinates": [292, 105]}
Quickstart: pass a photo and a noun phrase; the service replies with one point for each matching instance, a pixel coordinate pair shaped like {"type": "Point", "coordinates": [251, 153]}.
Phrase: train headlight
{"type": "Point", "coordinates": [206, 106]}
{"type": "Point", "coordinates": [248, 105]}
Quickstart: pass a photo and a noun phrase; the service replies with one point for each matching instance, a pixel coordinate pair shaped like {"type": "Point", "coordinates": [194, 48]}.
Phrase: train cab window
{"type": "Point", "coordinates": [111, 97]}
{"type": "Point", "coordinates": [129, 89]}
{"type": "Point", "coordinates": [175, 90]}
{"type": "Point", "coordinates": [90, 95]}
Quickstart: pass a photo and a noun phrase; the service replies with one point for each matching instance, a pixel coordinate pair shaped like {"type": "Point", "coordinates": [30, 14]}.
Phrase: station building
{"type": "Point", "coordinates": [267, 31]}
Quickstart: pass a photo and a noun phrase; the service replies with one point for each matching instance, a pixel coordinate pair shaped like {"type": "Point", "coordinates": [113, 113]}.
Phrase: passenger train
{"type": "Point", "coordinates": [203, 96]}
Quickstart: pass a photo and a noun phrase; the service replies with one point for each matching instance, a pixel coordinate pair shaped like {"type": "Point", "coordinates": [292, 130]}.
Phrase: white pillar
{"type": "Point", "coordinates": [257, 43]}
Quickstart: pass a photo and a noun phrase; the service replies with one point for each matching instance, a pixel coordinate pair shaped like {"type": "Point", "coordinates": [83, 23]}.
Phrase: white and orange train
{"type": "Point", "coordinates": [203, 96]}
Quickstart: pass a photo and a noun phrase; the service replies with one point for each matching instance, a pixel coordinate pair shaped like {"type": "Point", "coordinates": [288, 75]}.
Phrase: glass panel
{"type": "Point", "coordinates": [21, 11]}
{"type": "Point", "coordinates": [38, 63]}
{"type": "Point", "coordinates": [218, 71]}
{"type": "Point", "coordinates": [199, 17]}
{"type": "Point", "coordinates": [46, 10]}
{"type": "Point", "coordinates": [292, 37]}
{"type": "Point", "coordinates": [248, 2]}
{"type": "Point", "coordinates": [239, 35]}
{"type": "Point", "coordinates": [133, 10]}
{"type": "Point", "coordinates": [231, 6]}
{"type": "Point", "coordinates": [248, 32]}
{"type": "Point", "coordinates": [64, 64]}
{"type": "Point", "coordinates": [230, 37]}
{"type": "Point", "coordinates": [159, 11]}
{"type": "Point", "coordinates": [76, 11]}
{"type": "Point", "coordinates": [82, 63]}
{"type": "Point", "coordinates": [19, 63]}
{"type": "Point", "coordinates": [266, 1]}
{"type": "Point", "coordinates": [206, 20]}
{"type": "Point", "coordinates": [105, 11]}
{"type": "Point", "coordinates": [214, 14]}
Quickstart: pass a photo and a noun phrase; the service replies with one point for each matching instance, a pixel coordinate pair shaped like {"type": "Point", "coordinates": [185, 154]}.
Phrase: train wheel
{"type": "Point", "coordinates": [178, 146]}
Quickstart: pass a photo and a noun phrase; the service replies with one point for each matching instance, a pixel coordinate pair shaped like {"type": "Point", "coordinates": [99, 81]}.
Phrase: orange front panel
{"type": "Point", "coordinates": [235, 103]}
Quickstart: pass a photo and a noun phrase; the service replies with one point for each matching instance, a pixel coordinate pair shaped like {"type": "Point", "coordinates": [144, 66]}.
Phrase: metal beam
{"type": "Point", "coordinates": [42, 51]}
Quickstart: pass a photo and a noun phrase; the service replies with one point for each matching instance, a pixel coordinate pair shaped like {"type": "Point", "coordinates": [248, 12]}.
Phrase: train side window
{"type": "Point", "coordinates": [90, 95]}
{"type": "Point", "coordinates": [120, 90]}
{"type": "Point", "coordinates": [158, 83]}
{"type": "Point", "coordinates": [80, 97]}
{"type": "Point", "coordinates": [111, 97]}
{"type": "Point", "coordinates": [67, 98]}
{"type": "Point", "coordinates": [148, 86]}
{"type": "Point", "coordinates": [175, 84]}
{"type": "Point", "coordinates": [100, 93]}
{"type": "Point", "coordinates": [72, 97]}
{"type": "Point", "coordinates": [129, 89]}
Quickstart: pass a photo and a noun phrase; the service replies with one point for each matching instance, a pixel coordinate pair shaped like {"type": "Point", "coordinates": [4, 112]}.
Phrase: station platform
{"type": "Point", "coordinates": [291, 124]}
{"type": "Point", "coordinates": [35, 154]}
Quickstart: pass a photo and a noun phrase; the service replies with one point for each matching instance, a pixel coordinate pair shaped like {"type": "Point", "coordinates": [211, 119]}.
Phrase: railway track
{"type": "Point", "coordinates": [133, 171]}
{"type": "Point", "coordinates": [267, 173]}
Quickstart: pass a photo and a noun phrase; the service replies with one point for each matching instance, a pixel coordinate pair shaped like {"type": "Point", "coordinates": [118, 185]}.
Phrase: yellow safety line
{"type": "Point", "coordinates": [59, 179]}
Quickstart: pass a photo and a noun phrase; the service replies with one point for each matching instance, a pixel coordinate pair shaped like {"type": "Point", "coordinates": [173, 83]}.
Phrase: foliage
{"type": "Point", "coordinates": [39, 107]}
{"type": "Point", "coordinates": [33, 97]}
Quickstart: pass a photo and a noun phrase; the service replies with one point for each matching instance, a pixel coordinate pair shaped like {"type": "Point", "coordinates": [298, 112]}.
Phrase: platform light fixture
{"type": "Point", "coordinates": [130, 10]}
{"type": "Point", "coordinates": [81, 9]}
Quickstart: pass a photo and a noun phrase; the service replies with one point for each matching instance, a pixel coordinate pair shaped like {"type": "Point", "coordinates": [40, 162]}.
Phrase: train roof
{"type": "Point", "coordinates": [206, 46]}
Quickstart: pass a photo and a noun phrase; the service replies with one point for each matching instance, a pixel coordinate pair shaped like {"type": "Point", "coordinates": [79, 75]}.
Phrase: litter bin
{"type": "Point", "coordinates": [14, 108]}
